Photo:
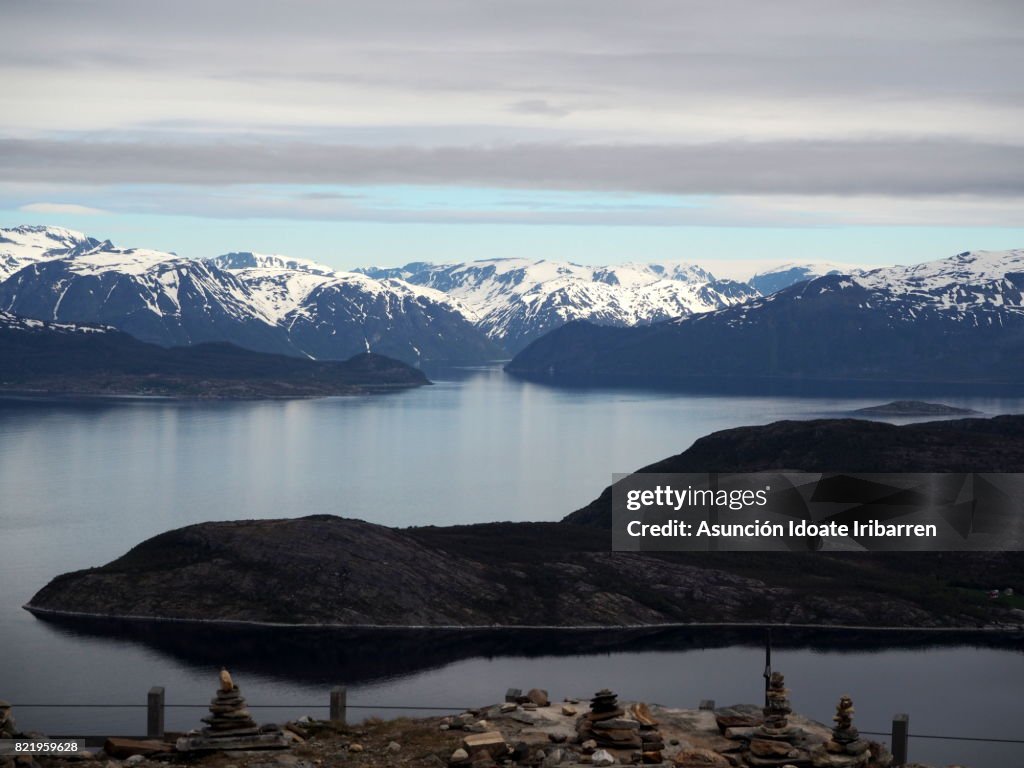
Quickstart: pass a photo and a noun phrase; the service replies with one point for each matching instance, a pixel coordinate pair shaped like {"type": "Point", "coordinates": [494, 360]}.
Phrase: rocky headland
{"type": "Point", "coordinates": [326, 570]}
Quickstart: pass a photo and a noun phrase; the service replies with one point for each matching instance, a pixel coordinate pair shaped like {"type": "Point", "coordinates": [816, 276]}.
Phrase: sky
{"type": "Point", "coordinates": [729, 133]}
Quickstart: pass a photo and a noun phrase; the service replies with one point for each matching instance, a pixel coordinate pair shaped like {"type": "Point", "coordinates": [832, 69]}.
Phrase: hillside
{"type": "Point", "coordinates": [57, 358]}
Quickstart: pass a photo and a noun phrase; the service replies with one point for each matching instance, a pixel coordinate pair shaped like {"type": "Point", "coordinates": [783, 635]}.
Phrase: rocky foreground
{"type": "Point", "coordinates": [527, 730]}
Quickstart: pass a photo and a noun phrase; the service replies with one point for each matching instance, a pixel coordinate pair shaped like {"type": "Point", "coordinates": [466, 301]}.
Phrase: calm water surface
{"type": "Point", "coordinates": [81, 482]}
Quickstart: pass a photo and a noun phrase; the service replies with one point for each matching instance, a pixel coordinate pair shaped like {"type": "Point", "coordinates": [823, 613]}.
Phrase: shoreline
{"type": "Point", "coordinates": [986, 630]}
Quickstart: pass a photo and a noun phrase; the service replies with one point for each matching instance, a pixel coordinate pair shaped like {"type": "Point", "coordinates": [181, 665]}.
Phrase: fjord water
{"type": "Point", "coordinates": [83, 481]}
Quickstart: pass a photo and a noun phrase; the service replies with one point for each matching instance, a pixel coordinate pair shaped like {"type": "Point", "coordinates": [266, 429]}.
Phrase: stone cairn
{"type": "Point", "coordinates": [845, 749]}
{"type": "Point", "coordinates": [651, 740]}
{"type": "Point", "coordinates": [606, 725]}
{"type": "Point", "coordinates": [775, 742]}
{"type": "Point", "coordinates": [230, 725]}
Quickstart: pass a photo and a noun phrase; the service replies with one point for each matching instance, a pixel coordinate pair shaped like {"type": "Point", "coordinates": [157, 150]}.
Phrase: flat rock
{"type": "Point", "coordinates": [488, 741]}
{"type": "Point", "coordinates": [699, 758]}
{"type": "Point", "coordinates": [124, 748]}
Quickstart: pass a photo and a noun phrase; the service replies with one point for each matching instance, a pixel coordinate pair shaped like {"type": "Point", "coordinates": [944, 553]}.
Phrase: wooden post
{"type": "Point", "coordinates": [155, 713]}
{"type": "Point", "coordinates": [900, 737]}
{"type": "Point", "coordinates": [339, 704]}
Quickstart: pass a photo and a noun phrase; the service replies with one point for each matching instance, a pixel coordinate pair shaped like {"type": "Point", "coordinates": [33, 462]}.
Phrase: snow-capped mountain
{"type": "Point", "coordinates": [519, 300]}
{"type": "Point", "coordinates": [21, 246]}
{"type": "Point", "coordinates": [959, 319]}
{"type": "Point", "coordinates": [334, 315]}
{"type": "Point", "coordinates": [264, 303]}
{"type": "Point", "coordinates": [974, 287]}
{"type": "Point", "coordinates": [154, 296]}
{"type": "Point", "coordinates": [775, 279]}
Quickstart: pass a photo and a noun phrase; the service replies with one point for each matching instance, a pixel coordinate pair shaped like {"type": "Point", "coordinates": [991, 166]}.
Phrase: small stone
{"type": "Point", "coordinates": [602, 757]}
{"type": "Point", "coordinates": [134, 760]}
{"type": "Point", "coordinates": [459, 756]}
{"type": "Point", "coordinates": [355, 747]}
{"type": "Point", "coordinates": [508, 706]}
{"type": "Point", "coordinates": [557, 738]}
{"type": "Point", "coordinates": [588, 746]}
{"type": "Point", "coordinates": [568, 711]}
{"type": "Point", "coordinates": [444, 726]}
{"type": "Point", "coordinates": [394, 746]}
{"type": "Point", "coordinates": [555, 757]}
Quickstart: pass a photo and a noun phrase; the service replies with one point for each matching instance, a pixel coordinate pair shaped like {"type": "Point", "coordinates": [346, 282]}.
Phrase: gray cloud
{"type": "Point", "coordinates": [897, 168]}
{"type": "Point", "coordinates": [539, 107]}
{"type": "Point", "coordinates": [652, 54]}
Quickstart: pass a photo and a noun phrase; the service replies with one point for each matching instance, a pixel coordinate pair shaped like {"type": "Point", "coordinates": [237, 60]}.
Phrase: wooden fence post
{"type": "Point", "coordinates": [339, 704]}
{"type": "Point", "coordinates": [155, 713]}
{"type": "Point", "coordinates": [900, 737]}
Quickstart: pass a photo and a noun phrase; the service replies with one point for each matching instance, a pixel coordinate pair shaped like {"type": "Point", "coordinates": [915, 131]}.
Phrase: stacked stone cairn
{"type": "Point", "coordinates": [606, 725]}
{"type": "Point", "coordinates": [845, 749]}
{"type": "Point", "coordinates": [651, 741]}
{"type": "Point", "coordinates": [230, 726]}
{"type": "Point", "coordinates": [775, 742]}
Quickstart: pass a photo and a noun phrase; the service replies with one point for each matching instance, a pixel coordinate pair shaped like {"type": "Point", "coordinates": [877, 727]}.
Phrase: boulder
{"type": "Point", "coordinates": [492, 741]}
{"type": "Point", "coordinates": [538, 696]}
{"type": "Point", "coordinates": [602, 757]}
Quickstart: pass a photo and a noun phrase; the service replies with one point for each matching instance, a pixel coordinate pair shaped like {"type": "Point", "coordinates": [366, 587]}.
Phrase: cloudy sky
{"type": "Point", "coordinates": [589, 130]}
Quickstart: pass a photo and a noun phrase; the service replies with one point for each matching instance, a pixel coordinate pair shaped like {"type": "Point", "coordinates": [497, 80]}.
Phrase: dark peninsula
{"type": "Point", "coordinates": [328, 570]}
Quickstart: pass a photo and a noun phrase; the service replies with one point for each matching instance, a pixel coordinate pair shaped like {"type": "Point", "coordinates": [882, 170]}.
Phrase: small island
{"type": "Point", "coordinates": [914, 408]}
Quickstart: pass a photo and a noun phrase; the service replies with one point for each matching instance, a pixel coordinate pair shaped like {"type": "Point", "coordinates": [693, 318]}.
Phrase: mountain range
{"type": "Point", "coordinates": [419, 313]}
{"type": "Point", "coordinates": [519, 300]}
{"type": "Point", "coordinates": [959, 319]}
{"type": "Point", "coordinates": [956, 319]}
{"type": "Point", "coordinates": [263, 303]}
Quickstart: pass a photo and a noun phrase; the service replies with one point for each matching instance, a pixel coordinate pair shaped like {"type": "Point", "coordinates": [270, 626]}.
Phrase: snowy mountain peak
{"type": "Point", "coordinates": [775, 279]}
{"type": "Point", "coordinates": [24, 245]}
{"type": "Point", "coordinates": [249, 260]}
{"type": "Point", "coordinates": [518, 300]}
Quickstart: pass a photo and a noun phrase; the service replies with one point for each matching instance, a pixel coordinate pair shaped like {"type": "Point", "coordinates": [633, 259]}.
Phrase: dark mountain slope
{"type": "Point", "coordinates": [829, 329]}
